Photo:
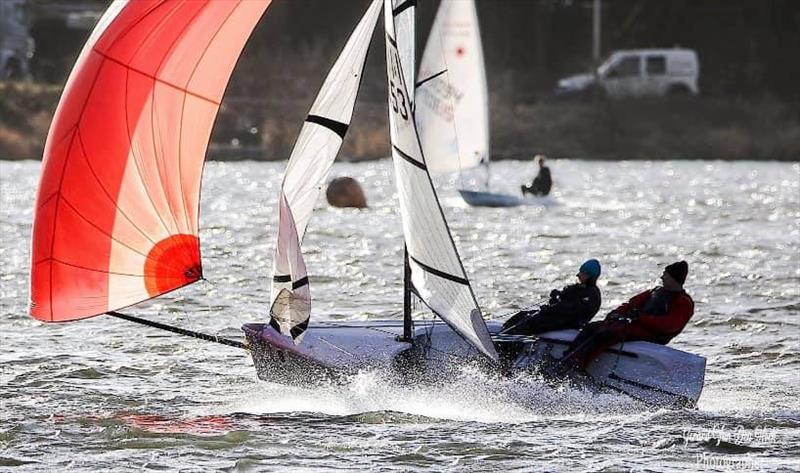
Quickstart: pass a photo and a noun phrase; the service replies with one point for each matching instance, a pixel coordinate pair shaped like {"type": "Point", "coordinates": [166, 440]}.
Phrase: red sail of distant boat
{"type": "Point", "coordinates": [116, 216]}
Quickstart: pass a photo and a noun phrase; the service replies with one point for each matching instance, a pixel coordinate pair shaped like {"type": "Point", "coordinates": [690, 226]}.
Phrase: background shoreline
{"type": "Point", "coordinates": [685, 128]}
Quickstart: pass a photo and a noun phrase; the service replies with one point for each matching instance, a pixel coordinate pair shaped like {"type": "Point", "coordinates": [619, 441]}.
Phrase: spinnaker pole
{"type": "Point", "coordinates": [178, 330]}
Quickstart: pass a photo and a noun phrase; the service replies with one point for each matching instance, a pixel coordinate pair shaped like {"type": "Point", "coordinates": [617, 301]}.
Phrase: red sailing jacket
{"type": "Point", "coordinates": [662, 315]}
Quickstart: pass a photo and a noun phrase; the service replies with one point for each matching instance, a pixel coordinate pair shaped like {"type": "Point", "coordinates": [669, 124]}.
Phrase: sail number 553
{"type": "Point", "coordinates": [396, 93]}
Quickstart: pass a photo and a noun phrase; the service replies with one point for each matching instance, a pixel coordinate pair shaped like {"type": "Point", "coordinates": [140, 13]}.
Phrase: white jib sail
{"type": "Point", "coordinates": [306, 172]}
{"type": "Point", "coordinates": [437, 274]}
{"type": "Point", "coordinates": [452, 103]}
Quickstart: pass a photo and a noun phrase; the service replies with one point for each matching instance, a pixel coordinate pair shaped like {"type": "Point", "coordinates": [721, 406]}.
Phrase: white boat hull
{"type": "Point", "coordinates": [489, 199]}
{"type": "Point", "coordinates": [653, 373]}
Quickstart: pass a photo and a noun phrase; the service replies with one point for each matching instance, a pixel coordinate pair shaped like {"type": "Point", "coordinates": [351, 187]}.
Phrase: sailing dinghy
{"type": "Point", "coordinates": [452, 101]}
{"type": "Point", "coordinates": [294, 349]}
{"type": "Point", "coordinates": [117, 219]}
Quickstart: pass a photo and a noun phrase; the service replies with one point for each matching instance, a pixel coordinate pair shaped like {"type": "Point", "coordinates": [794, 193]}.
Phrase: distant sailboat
{"type": "Point", "coordinates": [452, 100]}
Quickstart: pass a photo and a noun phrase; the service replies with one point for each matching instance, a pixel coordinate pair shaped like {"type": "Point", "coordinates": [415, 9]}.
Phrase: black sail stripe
{"type": "Point", "coordinates": [391, 41]}
{"type": "Point", "coordinates": [439, 273]}
{"type": "Point", "coordinates": [337, 127]}
{"type": "Point", "coordinates": [300, 283]}
{"type": "Point", "coordinates": [298, 329]}
{"type": "Point", "coordinates": [409, 158]}
{"type": "Point", "coordinates": [430, 78]}
{"type": "Point", "coordinates": [286, 278]}
{"type": "Point", "coordinates": [274, 324]}
{"type": "Point", "coordinates": [404, 6]}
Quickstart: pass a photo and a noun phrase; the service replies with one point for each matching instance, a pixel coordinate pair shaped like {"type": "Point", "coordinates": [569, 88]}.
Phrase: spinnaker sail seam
{"type": "Point", "coordinates": [438, 272]}
{"type": "Point", "coordinates": [109, 235]}
{"type": "Point", "coordinates": [104, 271]}
{"type": "Point", "coordinates": [136, 161]}
{"type": "Point", "coordinates": [134, 24]}
{"type": "Point", "coordinates": [159, 161]}
{"type": "Point", "coordinates": [47, 200]}
{"type": "Point", "coordinates": [131, 305]}
{"type": "Point", "coordinates": [183, 107]}
{"type": "Point", "coordinates": [105, 191]}
{"type": "Point", "coordinates": [156, 79]}
{"type": "Point", "coordinates": [164, 19]}
{"type": "Point", "coordinates": [60, 185]}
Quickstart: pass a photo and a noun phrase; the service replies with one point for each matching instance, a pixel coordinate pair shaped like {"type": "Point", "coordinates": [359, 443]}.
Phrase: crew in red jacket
{"type": "Point", "coordinates": [656, 315]}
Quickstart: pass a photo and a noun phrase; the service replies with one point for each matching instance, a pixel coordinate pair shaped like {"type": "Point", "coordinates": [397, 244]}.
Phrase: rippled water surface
{"type": "Point", "coordinates": [105, 394]}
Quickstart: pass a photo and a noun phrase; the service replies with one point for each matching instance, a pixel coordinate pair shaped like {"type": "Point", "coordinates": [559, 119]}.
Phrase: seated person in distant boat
{"type": "Point", "coordinates": [542, 182]}
{"type": "Point", "coordinates": [569, 308]}
{"type": "Point", "coordinates": [656, 315]}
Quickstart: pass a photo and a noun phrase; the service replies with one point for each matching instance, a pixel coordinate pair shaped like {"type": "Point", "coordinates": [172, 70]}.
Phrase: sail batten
{"type": "Point", "coordinates": [316, 148]}
{"type": "Point", "coordinates": [430, 78]}
{"type": "Point", "coordinates": [117, 206]}
{"type": "Point", "coordinates": [398, 9]}
{"type": "Point", "coordinates": [437, 275]}
{"type": "Point", "coordinates": [335, 126]}
{"type": "Point", "coordinates": [437, 272]}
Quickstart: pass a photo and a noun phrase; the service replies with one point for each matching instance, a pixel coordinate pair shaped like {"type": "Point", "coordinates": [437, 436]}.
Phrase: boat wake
{"type": "Point", "coordinates": [473, 396]}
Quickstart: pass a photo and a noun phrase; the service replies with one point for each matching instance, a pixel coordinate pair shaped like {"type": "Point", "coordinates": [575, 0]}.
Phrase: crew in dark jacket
{"type": "Point", "coordinates": [542, 182]}
{"type": "Point", "coordinates": [569, 308]}
{"type": "Point", "coordinates": [656, 315]}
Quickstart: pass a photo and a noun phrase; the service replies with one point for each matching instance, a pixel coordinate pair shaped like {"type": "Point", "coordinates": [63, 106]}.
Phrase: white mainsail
{"type": "Point", "coordinates": [437, 275]}
{"type": "Point", "coordinates": [404, 14]}
{"type": "Point", "coordinates": [306, 172]}
{"type": "Point", "coordinates": [452, 104]}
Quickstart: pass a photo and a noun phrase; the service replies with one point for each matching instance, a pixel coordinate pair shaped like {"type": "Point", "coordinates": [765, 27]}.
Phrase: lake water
{"type": "Point", "coordinates": [104, 394]}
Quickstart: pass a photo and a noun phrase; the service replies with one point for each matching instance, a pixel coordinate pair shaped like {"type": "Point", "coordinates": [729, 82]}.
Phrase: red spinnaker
{"type": "Point", "coordinates": [116, 219]}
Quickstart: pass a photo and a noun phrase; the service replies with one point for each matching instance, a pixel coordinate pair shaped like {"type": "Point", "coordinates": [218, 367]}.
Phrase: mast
{"type": "Point", "coordinates": [408, 322]}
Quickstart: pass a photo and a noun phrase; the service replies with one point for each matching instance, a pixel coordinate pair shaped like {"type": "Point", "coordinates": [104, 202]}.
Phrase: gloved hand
{"type": "Point", "coordinates": [555, 296]}
{"type": "Point", "coordinates": [615, 316]}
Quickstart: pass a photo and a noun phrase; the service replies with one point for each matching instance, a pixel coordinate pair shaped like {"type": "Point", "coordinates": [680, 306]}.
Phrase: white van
{"type": "Point", "coordinates": [639, 72]}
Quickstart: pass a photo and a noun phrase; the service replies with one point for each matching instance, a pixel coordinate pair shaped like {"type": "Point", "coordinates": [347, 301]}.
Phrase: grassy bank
{"type": "Point", "coordinates": [686, 128]}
